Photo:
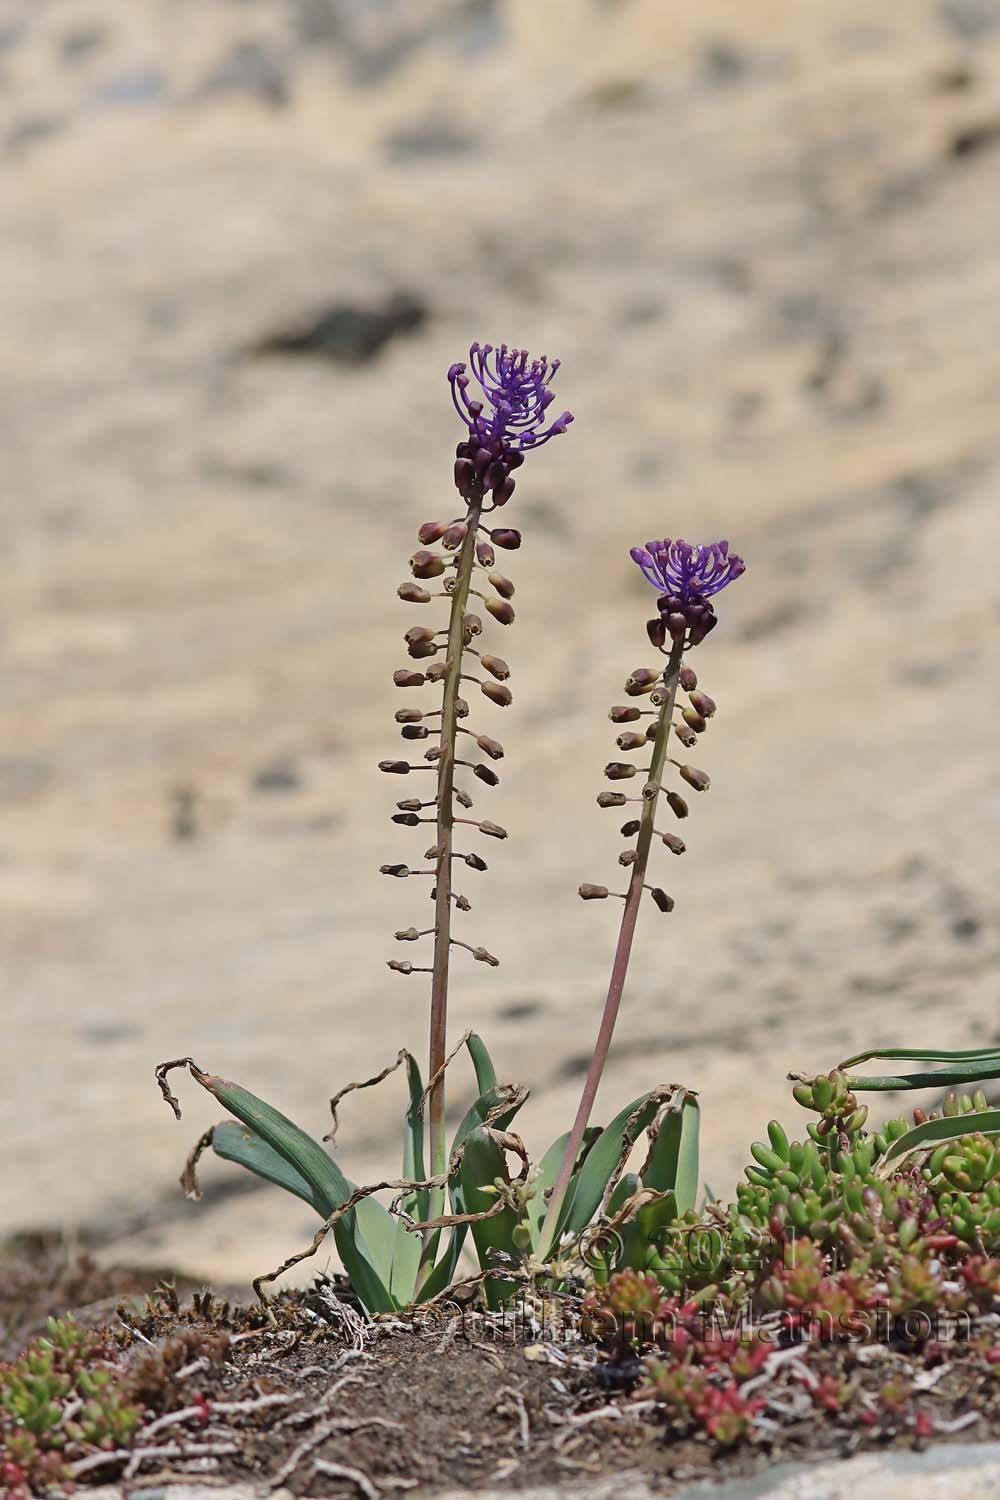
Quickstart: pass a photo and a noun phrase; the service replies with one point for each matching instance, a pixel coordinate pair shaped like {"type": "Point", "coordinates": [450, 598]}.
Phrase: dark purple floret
{"type": "Point", "coordinates": [687, 577]}
{"type": "Point", "coordinates": [506, 419]}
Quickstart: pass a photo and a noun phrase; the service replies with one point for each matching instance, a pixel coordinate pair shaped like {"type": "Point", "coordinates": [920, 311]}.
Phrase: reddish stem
{"type": "Point", "coordinates": [623, 951]}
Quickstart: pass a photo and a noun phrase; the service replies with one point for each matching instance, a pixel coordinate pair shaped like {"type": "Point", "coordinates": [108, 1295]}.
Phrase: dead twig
{"type": "Point", "coordinates": [440, 1072]}
{"type": "Point", "coordinates": [216, 1408]}
{"type": "Point", "coordinates": [189, 1176]}
{"type": "Point", "coordinates": [133, 1457]}
{"type": "Point", "coordinates": [300, 1418]}
{"type": "Point", "coordinates": [401, 1057]}
{"type": "Point", "coordinates": [522, 1413]}
{"type": "Point", "coordinates": [343, 1471]}
{"type": "Point", "coordinates": [327, 1429]}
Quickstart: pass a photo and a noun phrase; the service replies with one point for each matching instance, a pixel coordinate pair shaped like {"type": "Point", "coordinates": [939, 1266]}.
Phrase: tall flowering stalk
{"type": "Point", "coordinates": [686, 578]}
{"type": "Point", "coordinates": [502, 397]}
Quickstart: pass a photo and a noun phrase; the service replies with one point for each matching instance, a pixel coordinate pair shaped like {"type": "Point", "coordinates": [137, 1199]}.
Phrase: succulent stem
{"type": "Point", "coordinates": [445, 823]}
{"type": "Point", "coordinates": [623, 950]}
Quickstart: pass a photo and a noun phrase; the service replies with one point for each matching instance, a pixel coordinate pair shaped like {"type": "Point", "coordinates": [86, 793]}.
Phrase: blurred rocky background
{"type": "Point", "coordinates": [240, 243]}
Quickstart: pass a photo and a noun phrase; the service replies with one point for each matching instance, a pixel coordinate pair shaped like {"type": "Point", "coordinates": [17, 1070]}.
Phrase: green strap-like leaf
{"type": "Point", "coordinates": [482, 1162]}
{"type": "Point", "coordinates": [407, 1246]}
{"type": "Point", "coordinates": [590, 1184]}
{"type": "Point", "coordinates": [548, 1171]}
{"type": "Point", "coordinates": [969, 1065]}
{"type": "Point", "coordinates": [238, 1143]}
{"type": "Point", "coordinates": [486, 1077]}
{"type": "Point", "coordinates": [937, 1133]}
{"type": "Point", "coordinates": [673, 1164]}
{"type": "Point", "coordinates": [892, 1083]}
{"type": "Point", "coordinates": [364, 1236]}
{"type": "Point", "coordinates": [499, 1105]}
{"type": "Point", "coordinates": [922, 1054]}
{"type": "Point", "coordinates": [506, 1101]}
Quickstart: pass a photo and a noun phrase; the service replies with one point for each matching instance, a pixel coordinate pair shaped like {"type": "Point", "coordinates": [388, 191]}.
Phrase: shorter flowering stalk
{"type": "Point", "coordinates": [688, 577]}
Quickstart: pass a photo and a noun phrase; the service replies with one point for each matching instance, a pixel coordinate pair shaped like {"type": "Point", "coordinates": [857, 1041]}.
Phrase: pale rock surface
{"type": "Point", "coordinates": [763, 240]}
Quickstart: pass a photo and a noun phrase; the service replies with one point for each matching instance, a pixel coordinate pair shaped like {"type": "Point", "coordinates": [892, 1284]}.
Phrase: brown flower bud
{"type": "Point", "coordinates": [493, 830]}
{"type": "Point", "coordinates": [430, 532]}
{"type": "Point", "coordinates": [400, 871]}
{"type": "Point", "coordinates": [402, 677]}
{"type": "Point", "coordinates": [407, 935]}
{"type": "Point", "coordinates": [594, 892]}
{"type": "Point", "coordinates": [686, 736]}
{"type": "Point", "coordinates": [399, 767]}
{"type": "Point", "coordinates": [408, 819]}
{"type": "Point", "coordinates": [673, 843]}
{"type": "Point", "coordinates": [688, 679]}
{"type": "Point", "coordinates": [650, 790]}
{"type": "Point", "coordinates": [698, 779]}
{"type": "Point", "coordinates": [481, 955]}
{"type": "Point", "coordinates": [677, 804]}
{"type": "Point", "coordinates": [414, 731]}
{"type": "Point", "coordinates": [656, 630]}
{"type": "Point", "coordinates": [651, 730]}
{"type": "Point", "coordinates": [677, 625]}
{"type": "Point", "coordinates": [694, 720]}
{"type": "Point", "coordinates": [462, 798]}
{"type": "Point", "coordinates": [408, 715]}
{"type": "Point", "coordinates": [503, 585]}
{"type": "Point", "coordinates": [501, 611]}
{"type": "Point", "coordinates": [465, 476]}
{"type": "Point", "coordinates": [703, 704]}
{"type": "Point", "coordinates": [485, 555]}
{"type": "Point", "coordinates": [472, 626]}
{"type": "Point", "coordinates": [461, 709]}
{"type": "Point", "coordinates": [420, 641]}
{"type": "Point", "coordinates": [642, 680]}
{"type": "Point", "coordinates": [611, 799]}
{"type": "Point", "coordinates": [630, 828]}
{"type": "Point", "coordinates": [630, 740]}
{"type": "Point", "coordinates": [489, 747]}
{"type": "Point", "coordinates": [412, 593]}
{"type": "Point", "coordinates": [436, 671]}
{"type": "Point", "coordinates": [622, 715]}
{"type": "Point", "coordinates": [496, 666]}
{"type": "Point", "coordinates": [434, 852]}
{"type": "Point", "coordinates": [620, 770]}
{"type": "Point", "coordinates": [497, 692]}
{"type": "Point", "coordinates": [511, 540]}
{"type": "Point", "coordinates": [485, 774]}
{"type": "Point", "coordinates": [475, 863]}
{"type": "Point", "coordinates": [627, 857]}
{"type": "Point", "coordinates": [400, 965]}
{"type": "Point", "coordinates": [663, 901]}
{"type": "Point", "coordinates": [433, 754]}
{"type": "Point", "coordinates": [425, 564]}
{"type": "Point", "coordinates": [462, 903]}
{"type": "Point", "coordinates": [454, 536]}
{"type": "Point", "coordinates": [410, 804]}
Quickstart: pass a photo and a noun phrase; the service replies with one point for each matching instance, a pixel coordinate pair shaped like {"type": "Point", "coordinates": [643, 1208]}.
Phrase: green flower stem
{"type": "Point", "coordinates": [445, 827]}
{"type": "Point", "coordinates": [623, 951]}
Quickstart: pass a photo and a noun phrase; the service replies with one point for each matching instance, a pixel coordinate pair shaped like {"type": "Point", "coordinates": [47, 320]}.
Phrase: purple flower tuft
{"type": "Point", "coordinates": [684, 571]}
{"type": "Point", "coordinates": [687, 576]}
{"type": "Point", "coordinates": [505, 421]}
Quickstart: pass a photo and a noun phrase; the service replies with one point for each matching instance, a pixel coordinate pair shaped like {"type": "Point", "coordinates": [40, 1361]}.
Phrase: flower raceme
{"type": "Point", "coordinates": [687, 576]}
{"type": "Point", "coordinates": [505, 421]}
